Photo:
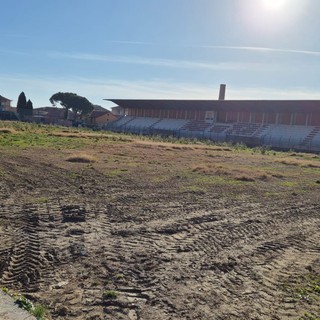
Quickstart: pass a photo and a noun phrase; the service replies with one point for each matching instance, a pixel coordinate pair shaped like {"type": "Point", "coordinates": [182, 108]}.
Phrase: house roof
{"type": "Point", "coordinates": [99, 108]}
{"type": "Point", "coordinates": [99, 113]}
{"type": "Point", "coordinates": [3, 98]}
{"type": "Point", "coordinates": [220, 105]}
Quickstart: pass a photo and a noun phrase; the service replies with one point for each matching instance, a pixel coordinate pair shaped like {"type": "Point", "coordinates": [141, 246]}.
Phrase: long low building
{"type": "Point", "coordinates": [286, 124]}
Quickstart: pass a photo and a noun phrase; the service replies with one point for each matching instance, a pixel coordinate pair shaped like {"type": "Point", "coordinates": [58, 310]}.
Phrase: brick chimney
{"type": "Point", "coordinates": [222, 92]}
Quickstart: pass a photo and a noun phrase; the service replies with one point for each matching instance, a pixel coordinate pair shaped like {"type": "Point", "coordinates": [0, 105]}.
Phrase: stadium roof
{"type": "Point", "coordinates": [219, 105]}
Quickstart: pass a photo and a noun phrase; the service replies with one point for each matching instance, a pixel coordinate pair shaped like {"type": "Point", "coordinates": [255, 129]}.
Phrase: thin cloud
{"type": "Point", "coordinates": [155, 62]}
{"type": "Point", "coordinates": [263, 49]}
{"type": "Point", "coordinates": [244, 48]}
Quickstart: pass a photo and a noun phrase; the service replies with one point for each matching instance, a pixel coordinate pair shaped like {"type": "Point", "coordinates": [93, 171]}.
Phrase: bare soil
{"type": "Point", "coordinates": [151, 230]}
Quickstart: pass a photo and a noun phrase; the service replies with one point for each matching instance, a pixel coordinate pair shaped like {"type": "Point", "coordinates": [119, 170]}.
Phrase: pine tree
{"type": "Point", "coordinates": [21, 104]}
{"type": "Point", "coordinates": [29, 108]}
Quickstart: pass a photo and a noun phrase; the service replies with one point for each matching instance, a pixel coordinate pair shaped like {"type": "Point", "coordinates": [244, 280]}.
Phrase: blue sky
{"type": "Point", "coordinates": [161, 49]}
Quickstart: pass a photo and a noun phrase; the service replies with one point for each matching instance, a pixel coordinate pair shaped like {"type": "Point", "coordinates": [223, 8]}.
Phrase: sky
{"type": "Point", "coordinates": [159, 49]}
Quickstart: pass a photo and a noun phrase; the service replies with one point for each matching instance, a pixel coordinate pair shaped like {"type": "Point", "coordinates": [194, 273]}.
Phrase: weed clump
{"type": "Point", "coordinates": [39, 312]}
{"type": "Point", "coordinates": [109, 295]}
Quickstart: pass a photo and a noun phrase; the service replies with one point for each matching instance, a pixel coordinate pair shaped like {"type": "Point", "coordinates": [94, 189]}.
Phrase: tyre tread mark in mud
{"type": "Point", "coordinates": [23, 269]}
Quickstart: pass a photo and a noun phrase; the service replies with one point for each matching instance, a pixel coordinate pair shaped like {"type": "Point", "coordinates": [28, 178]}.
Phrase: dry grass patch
{"type": "Point", "coordinates": [240, 174]}
{"type": "Point", "coordinates": [162, 145]}
{"type": "Point", "coordinates": [300, 163]}
{"type": "Point", "coordinates": [182, 147]}
{"type": "Point", "coordinates": [202, 168]}
{"type": "Point", "coordinates": [7, 131]}
{"type": "Point", "coordinates": [213, 148]}
{"type": "Point", "coordinates": [89, 135]}
{"type": "Point", "coordinates": [244, 178]}
{"type": "Point", "coordinates": [81, 158]}
{"type": "Point", "coordinates": [277, 175]}
{"type": "Point", "coordinates": [66, 134]}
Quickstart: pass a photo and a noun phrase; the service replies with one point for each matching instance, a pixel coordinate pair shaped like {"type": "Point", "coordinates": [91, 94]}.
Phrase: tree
{"type": "Point", "coordinates": [82, 106]}
{"type": "Point", "coordinates": [79, 105]}
{"type": "Point", "coordinates": [21, 104]}
{"type": "Point", "coordinates": [62, 98]}
{"type": "Point", "coordinates": [29, 108]}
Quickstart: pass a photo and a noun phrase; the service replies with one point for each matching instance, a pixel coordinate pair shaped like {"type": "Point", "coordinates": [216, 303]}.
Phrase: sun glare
{"type": "Point", "coordinates": [274, 5]}
{"type": "Point", "coordinates": [270, 17]}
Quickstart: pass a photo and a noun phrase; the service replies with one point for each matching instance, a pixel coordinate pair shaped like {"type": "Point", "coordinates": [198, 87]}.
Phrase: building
{"type": "Point", "coordinates": [5, 104]}
{"type": "Point", "coordinates": [52, 115]}
{"type": "Point", "coordinates": [100, 118]}
{"type": "Point", "coordinates": [6, 111]}
{"type": "Point", "coordinates": [285, 124]}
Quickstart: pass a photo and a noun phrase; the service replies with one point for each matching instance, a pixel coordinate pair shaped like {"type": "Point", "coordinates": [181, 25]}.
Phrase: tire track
{"type": "Point", "coordinates": [23, 268]}
{"type": "Point", "coordinates": [232, 251]}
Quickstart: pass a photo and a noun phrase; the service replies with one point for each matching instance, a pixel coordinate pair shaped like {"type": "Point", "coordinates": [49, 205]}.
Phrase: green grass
{"type": "Point", "coordinates": [28, 140]}
{"type": "Point", "coordinates": [110, 294]}
{"type": "Point", "coordinates": [308, 316]}
{"type": "Point", "coordinates": [290, 184]}
{"type": "Point", "coordinates": [193, 189]}
{"type": "Point", "coordinates": [38, 200]}
{"type": "Point", "coordinates": [27, 135]}
{"type": "Point", "coordinates": [115, 172]}
{"type": "Point", "coordinates": [306, 290]}
{"type": "Point", "coordinates": [75, 175]}
{"type": "Point", "coordinates": [39, 312]}
{"type": "Point", "coordinates": [3, 173]}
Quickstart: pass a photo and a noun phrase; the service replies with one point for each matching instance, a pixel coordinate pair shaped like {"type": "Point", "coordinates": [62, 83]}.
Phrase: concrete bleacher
{"type": "Point", "coordinates": [286, 135]}
{"type": "Point", "coordinates": [315, 142]}
{"type": "Point", "coordinates": [298, 137]}
{"type": "Point", "coordinates": [244, 129]}
{"type": "Point", "coordinates": [170, 124]}
{"type": "Point", "coordinates": [313, 138]}
{"type": "Point", "coordinates": [121, 122]}
{"type": "Point", "coordinates": [142, 122]}
{"type": "Point", "coordinates": [196, 125]}
{"type": "Point", "coordinates": [219, 128]}
{"type": "Point", "coordinates": [135, 124]}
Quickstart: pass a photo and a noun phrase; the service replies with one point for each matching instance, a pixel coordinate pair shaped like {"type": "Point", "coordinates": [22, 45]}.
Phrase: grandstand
{"type": "Point", "coordinates": [283, 124]}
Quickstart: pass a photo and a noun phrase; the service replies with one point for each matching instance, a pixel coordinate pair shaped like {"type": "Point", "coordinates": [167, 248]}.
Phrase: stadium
{"type": "Point", "coordinates": [279, 124]}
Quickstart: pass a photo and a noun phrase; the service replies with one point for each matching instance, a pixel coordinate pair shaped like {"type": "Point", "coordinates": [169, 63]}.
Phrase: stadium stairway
{"type": "Point", "coordinates": [308, 139]}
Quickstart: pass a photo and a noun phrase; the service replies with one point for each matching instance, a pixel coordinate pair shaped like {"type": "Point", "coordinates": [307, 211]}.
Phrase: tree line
{"type": "Point", "coordinates": [24, 107]}
{"type": "Point", "coordinates": [80, 106]}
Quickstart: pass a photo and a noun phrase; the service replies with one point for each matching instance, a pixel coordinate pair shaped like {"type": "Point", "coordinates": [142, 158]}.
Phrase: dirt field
{"type": "Point", "coordinates": [154, 230]}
